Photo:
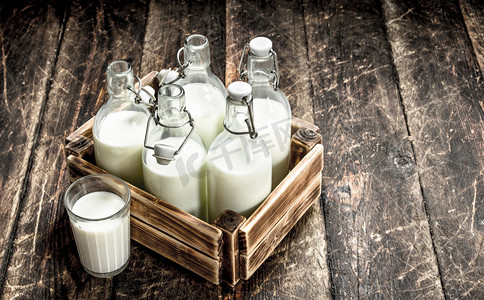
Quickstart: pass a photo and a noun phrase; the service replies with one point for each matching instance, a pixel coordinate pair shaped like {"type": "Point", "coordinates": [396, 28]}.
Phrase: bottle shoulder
{"type": "Point", "coordinates": [119, 116]}
{"type": "Point", "coordinates": [202, 78]}
{"type": "Point", "coordinates": [268, 99]}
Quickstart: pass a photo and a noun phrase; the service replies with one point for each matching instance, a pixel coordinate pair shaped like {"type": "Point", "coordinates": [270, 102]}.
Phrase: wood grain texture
{"type": "Point", "coordinates": [44, 261]}
{"type": "Point", "coordinates": [397, 91]}
{"type": "Point", "coordinates": [297, 124]}
{"type": "Point", "coordinates": [283, 23]}
{"type": "Point", "coordinates": [303, 140]}
{"type": "Point", "coordinates": [171, 248]}
{"type": "Point", "coordinates": [379, 242]}
{"type": "Point", "coordinates": [229, 223]}
{"type": "Point", "coordinates": [24, 84]}
{"type": "Point", "coordinates": [441, 88]}
{"type": "Point", "coordinates": [170, 22]}
{"type": "Point", "coordinates": [473, 13]}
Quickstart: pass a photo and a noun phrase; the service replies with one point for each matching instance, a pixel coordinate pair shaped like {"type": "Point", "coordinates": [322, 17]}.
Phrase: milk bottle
{"type": "Point", "coordinates": [119, 127]}
{"type": "Point", "coordinates": [205, 93]}
{"type": "Point", "coordinates": [240, 168]}
{"type": "Point", "coordinates": [272, 112]}
{"type": "Point", "coordinates": [174, 157]}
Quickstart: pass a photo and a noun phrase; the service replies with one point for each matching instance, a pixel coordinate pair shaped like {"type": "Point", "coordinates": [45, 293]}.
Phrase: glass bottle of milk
{"type": "Point", "coordinates": [174, 157]}
{"type": "Point", "coordinates": [119, 127]}
{"type": "Point", "coordinates": [204, 91]}
{"type": "Point", "coordinates": [272, 111]}
{"type": "Point", "coordinates": [240, 165]}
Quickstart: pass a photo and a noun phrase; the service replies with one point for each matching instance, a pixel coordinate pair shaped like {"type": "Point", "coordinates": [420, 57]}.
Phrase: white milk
{"type": "Point", "coordinates": [239, 179]}
{"type": "Point", "coordinates": [103, 246]}
{"type": "Point", "coordinates": [273, 125]}
{"type": "Point", "coordinates": [207, 106]}
{"type": "Point", "coordinates": [119, 144]}
{"type": "Point", "coordinates": [183, 182]}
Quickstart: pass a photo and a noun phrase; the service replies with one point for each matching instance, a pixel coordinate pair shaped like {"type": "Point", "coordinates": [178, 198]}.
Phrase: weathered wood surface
{"type": "Point", "coordinates": [250, 261]}
{"type": "Point", "coordinates": [24, 92]}
{"type": "Point", "coordinates": [473, 13]}
{"type": "Point", "coordinates": [44, 261]}
{"type": "Point", "coordinates": [395, 87]}
{"type": "Point", "coordinates": [379, 241]}
{"type": "Point", "coordinates": [171, 248]}
{"type": "Point", "coordinates": [440, 88]}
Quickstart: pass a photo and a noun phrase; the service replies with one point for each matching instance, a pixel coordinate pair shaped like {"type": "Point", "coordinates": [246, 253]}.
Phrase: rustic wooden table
{"type": "Point", "coordinates": [396, 88]}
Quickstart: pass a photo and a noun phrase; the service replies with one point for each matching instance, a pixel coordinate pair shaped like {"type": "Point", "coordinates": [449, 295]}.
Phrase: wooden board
{"type": "Point", "coordinates": [441, 90]}
{"type": "Point", "coordinates": [473, 13]}
{"type": "Point", "coordinates": [24, 93]}
{"type": "Point", "coordinates": [379, 242]}
{"type": "Point", "coordinates": [229, 223]}
{"type": "Point", "coordinates": [44, 260]}
{"type": "Point", "coordinates": [169, 23]}
{"type": "Point", "coordinates": [171, 248]}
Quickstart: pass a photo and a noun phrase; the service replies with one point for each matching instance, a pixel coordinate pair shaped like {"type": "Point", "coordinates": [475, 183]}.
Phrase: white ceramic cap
{"type": "Point", "coordinates": [260, 46]}
{"type": "Point", "coordinates": [164, 154]}
{"type": "Point", "coordinates": [238, 90]}
{"type": "Point", "coordinates": [168, 75]}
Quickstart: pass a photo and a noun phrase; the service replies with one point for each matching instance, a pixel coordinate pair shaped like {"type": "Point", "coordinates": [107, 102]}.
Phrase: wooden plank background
{"type": "Point", "coordinates": [396, 88]}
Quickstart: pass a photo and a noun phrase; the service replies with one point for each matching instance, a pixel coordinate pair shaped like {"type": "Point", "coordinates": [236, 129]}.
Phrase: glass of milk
{"type": "Point", "coordinates": [98, 209]}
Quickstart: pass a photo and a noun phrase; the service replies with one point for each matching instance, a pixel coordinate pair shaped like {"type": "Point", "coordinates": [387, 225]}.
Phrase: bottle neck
{"type": "Point", "coordinates": [119, 78]}
{"type": "Point", "coordinates": [260, 70]}
{"type": "Point", "coordinates": [197, 52]}
{"type": "Point", "coordinates": [236, 116]}
{"type": "Point", "coordinates": [171, 105]}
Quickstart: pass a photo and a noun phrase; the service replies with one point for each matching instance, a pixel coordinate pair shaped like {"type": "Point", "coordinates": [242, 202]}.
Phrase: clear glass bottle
{"type": "Point", "coordinates": [119, 127]}
{"type": "Point", "coordinates": [272, 111]}
{"type": "Point", "coordinates": [240, 168]}
{"type": "Point", "coordinates": [204, 91]}
{"type": "Point", "coordinates": [174, 157]}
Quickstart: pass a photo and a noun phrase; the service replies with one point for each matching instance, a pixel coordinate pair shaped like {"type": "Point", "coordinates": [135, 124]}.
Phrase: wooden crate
{"type": "Point", "coordinates": [233, 247]}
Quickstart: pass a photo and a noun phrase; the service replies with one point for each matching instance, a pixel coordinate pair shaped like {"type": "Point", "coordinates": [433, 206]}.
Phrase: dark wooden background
{"type": "Point", "coordinates": [396, 88]}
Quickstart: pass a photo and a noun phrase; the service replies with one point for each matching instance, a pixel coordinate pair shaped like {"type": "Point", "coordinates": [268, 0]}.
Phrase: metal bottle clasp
{"type": "Point", "coordinates": [138, 99]}
{"type": "Point", "coordinates": [163, 153]}
{"type": "Point", "coordinates": [275, 71]}
{"type": "Point", "coordinates": [249, 122]}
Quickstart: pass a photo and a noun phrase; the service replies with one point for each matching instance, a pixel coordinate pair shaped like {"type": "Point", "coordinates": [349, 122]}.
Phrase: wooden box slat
{"type": "Point", "coordinates": [302, 141]}
{"type": "Point", "coordinates": [171, 248]}
{"type": "Point", "coordinates": [84, 130]}
{"type": "Point", "coordinates": [229, 222]}
{"type": "Point", "coordinates": [256, 228]}
{"type": "Point", "coordinates": [250, 262]}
